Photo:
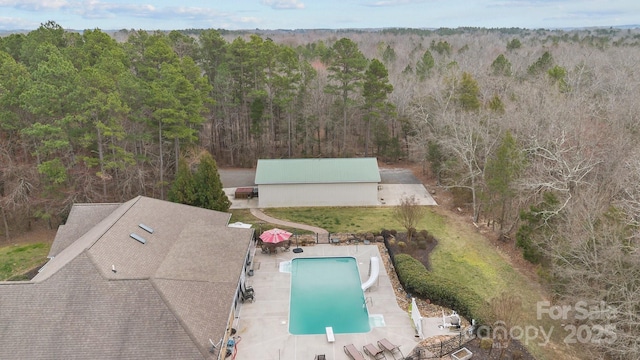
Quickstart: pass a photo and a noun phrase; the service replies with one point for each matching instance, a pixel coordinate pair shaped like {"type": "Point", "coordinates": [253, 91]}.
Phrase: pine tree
{"type": "Point", "coordinates": [209, 193]}
{"type": "Point", "coordinates": [183, 188]}
{"type": "Point", "coordinates": [501, 66]}
{"type": "Point", "coordinates": [500, 172]}
{"type": "Point", "coordinates": [468, 93]}
{"type": "Point", "coordinates": [346, 71]}
{"type": "Point", "coordinates": [424, 66]}
{"type": "Point", "coordinates": [376, 89]}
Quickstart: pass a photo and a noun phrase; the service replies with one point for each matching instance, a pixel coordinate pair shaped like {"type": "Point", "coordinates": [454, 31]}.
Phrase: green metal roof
{"type": "Point", "coordinates": [312, 171]}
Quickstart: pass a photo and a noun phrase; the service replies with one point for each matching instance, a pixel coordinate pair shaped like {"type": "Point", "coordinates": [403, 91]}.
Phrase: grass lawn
{"type": "Point", "coordinates": [462, 254]}
{"type": "Point", "coordinates": [19, 259]}
{"type": "Point", "coordinates": [244, 216]}
{"type": "Point", "coordinates": [339, 219]}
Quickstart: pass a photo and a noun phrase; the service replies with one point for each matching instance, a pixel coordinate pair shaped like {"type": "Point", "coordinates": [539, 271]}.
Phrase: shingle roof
{"type": "Point", "coordinates": [167, 298]}
{"type": "Point", "coordinates": [81, 219]}
{"type": "Point", "coordinates": [307, 171]}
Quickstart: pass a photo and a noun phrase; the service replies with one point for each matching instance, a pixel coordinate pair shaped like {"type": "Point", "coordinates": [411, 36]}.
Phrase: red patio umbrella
{"type": "Point", "coordinates": [275, 236]}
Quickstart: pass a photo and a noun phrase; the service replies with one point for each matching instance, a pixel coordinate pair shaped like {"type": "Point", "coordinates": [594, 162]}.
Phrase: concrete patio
{"type": "Point", "coordinates": [263, 325]}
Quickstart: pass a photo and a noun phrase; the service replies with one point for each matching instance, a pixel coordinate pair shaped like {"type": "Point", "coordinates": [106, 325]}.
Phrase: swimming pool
{"type": "Point", "coordinates": [327, 292]}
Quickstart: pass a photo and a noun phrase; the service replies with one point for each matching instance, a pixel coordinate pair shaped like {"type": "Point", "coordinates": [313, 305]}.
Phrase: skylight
{"type": "Point", "coordinates": [138, 237]}
{"type": "Point", "coordinates": [146, 228]}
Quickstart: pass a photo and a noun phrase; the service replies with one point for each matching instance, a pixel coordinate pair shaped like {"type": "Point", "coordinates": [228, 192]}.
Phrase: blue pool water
{"type": "Point", "coordinates": [326, 292]}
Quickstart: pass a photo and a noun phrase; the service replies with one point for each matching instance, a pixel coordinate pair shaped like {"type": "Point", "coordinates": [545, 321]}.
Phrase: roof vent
{"type": "Point", "coordinates": [146, 228]}
{"type": "Point", "coordinates": [138, 237]}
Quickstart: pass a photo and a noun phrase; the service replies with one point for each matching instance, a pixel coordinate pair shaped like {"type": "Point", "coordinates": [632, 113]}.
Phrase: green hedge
{"type": "Point", "coordinates": [422, 283]}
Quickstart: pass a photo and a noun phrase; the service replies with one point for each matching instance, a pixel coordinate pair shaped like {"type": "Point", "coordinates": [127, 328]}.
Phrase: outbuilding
{"type": "Point", "coordinates": [317, 182]}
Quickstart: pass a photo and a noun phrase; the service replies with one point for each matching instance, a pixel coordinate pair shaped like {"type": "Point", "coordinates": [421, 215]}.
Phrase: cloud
{"type": "Point", "coordinates": [35, 5]}
{"type": "Point", "coordinates": [384, 3]}
{"type": "Point", "coordinates": [527, 3]}
{"type": "Point", "coordinates": [10, 23]}
{"type": "Point", "coordinates": [283, 4]}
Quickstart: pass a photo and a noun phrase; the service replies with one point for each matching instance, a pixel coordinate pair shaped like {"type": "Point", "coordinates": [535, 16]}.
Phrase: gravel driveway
{"type": "Point", "coordinates": [233, 178]}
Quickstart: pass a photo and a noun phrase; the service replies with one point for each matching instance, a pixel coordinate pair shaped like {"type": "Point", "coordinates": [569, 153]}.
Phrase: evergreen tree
{"type": "Point", "coordinates": [345, 73]}
{"type": "Point", "coordinates": [496, 104]}
{"type": "Point", "coordinates": [558, 75]}
{"type": "Point", "coordinates": [543, 63]}
{"type": "Point", "coordinates": [501, 66]}
{"type": "Point", "coordinates": [183, 188]}
{"type": "Point", "coordinates": [468, 92]}
{"type": "Point", "coordinates": [514, 44]}
{"type": "Point", "coordinates": [209, 193]}
{"type": "Point", "coordinates": [441, 47]}
{"type": "Point", "coordinates": [376, 88]}
{"type": "Point", "coordinates": [500, 172]}
{"type": "Point", "coordinates": [424, 66]}
{"type": "Point", "coordinates": [389, 55]}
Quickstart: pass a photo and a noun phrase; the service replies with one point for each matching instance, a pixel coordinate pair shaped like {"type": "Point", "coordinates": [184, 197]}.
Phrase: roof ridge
{"type": "Point", "coordinates": [174, 311]}
{"type": "Point", "coordinates": [85, 242]}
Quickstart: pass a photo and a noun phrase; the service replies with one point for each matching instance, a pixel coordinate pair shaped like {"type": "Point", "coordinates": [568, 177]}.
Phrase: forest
{"type": "Point", "coordinates": [535, 132]}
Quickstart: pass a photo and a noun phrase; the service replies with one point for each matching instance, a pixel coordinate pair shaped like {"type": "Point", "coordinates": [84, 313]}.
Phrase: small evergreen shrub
{"type": "Point", "coordinates": [419, 281]}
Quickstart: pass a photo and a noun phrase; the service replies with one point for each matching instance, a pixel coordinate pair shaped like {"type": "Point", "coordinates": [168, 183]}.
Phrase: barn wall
{"type": "Point", "coordinates": [344, 194]}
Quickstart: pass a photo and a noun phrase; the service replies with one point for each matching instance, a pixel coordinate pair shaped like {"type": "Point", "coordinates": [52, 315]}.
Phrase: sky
{"type": "Point", "coordinates": [315, 14]}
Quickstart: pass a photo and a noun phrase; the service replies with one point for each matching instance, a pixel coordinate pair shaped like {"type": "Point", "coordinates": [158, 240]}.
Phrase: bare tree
{"type": "Point", "coordinates": [409, 213]}
{"type": "Point", "coordinates": [507, 311]}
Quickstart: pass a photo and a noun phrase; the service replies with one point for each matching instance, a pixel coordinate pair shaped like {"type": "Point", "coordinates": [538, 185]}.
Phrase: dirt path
{"type": "Point", "coordinates": [264, 217]}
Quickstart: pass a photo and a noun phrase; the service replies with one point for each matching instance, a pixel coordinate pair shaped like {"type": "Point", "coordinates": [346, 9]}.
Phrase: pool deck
{"type": "Point", "coordinates": [263, 325]}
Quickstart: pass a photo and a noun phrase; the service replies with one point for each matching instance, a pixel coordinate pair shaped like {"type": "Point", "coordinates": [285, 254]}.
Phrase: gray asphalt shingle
{"type": "Point", "coordinates": [167, 298]}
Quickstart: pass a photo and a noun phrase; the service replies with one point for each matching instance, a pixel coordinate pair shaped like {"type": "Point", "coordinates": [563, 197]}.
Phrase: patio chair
{"type": "Point", "coordinates": [353, 353]}
{"type": "Point", "coordinates": [386, 345]}
{"type": "Point", "coordinates": [245, 296]}
{"type": "Point", "coordinates": [286, 245]}
{"type": "Point", "coordinates": [373, 352]}
{"type": "Point", "coordinates": [246, 289]}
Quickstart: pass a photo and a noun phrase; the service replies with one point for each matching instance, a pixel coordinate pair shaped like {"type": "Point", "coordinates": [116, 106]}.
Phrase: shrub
{"type": "Point", "coordinates": [402, 244]}
{"type": "Point", "coordinates": [417, 280]}
{"type": "Point", "coordinates": [486, 343]}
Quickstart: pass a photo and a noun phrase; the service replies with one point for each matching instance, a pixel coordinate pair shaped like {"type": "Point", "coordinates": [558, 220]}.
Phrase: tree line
{"type": "Point", "coordinates": [534, 131]}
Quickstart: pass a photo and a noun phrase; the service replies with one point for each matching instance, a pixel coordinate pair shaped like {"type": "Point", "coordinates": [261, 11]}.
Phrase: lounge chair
{"type": "Point", "coordinates": [353, 353]}
{"type": "Point", "coordinates": [244, 296]}
{"type": "Point", "coordinates": [373, 352]}
{"type": "Point", "coordinates": [246, 289]}
{"type": "Point", "coordinates": [386, 345]}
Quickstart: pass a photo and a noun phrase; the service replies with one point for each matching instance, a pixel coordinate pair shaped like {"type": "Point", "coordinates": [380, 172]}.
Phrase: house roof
{"type": "Point", "coordinates": [165, 300]}
{"type": "Point", "coordinates": [313, 171]}
{"type": "Point", "coordinates": [81, 219]}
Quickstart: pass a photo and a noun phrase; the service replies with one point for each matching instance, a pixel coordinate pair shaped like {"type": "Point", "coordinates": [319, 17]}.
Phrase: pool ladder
{"type": "Point", "coordinates": [367, 301]}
